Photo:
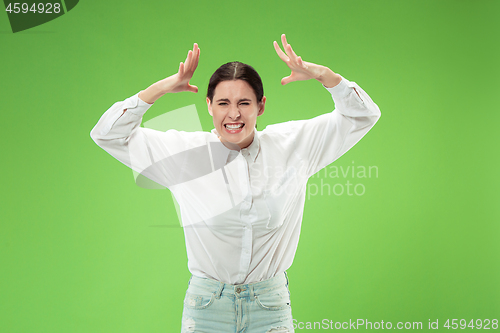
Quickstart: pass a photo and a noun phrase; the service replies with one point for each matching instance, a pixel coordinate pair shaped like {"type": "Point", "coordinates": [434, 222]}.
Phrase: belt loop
{"type": "Point", "coordinates": [286, 277]}
{"type": "Point", "coordinates": [251, 287]}
{"type": "Point", "coordinates": [218, 292]}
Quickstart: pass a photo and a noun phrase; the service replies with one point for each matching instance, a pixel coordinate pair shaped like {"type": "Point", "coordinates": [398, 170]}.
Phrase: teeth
{"type": "Point", "coordinates": [234, 126]}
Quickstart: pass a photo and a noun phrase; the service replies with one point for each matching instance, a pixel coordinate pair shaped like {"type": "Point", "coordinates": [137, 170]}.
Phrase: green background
{"type": "Point", "coordinates": [83, 249]}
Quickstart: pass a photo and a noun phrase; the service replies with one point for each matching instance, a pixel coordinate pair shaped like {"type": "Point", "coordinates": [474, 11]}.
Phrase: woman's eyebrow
{"type": "Point", "coordinates": [227, 100]}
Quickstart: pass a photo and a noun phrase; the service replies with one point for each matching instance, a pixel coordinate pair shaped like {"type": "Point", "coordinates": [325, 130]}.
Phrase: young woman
{"type": "Point", "coordinates": [241, 191]}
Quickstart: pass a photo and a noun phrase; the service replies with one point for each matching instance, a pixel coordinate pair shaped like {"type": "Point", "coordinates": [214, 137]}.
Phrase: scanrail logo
{"type": "Point", "coordinates": [28, 14]}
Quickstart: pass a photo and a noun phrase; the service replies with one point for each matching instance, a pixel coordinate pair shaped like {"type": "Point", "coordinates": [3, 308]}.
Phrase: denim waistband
{"type": "Point", "coordinates": [240, 290]}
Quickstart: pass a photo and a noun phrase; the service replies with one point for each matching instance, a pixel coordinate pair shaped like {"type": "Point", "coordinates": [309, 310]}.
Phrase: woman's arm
{"type": "Point", "coordinates": [323, 139]}
{"type": "Point", "coordinates": [118, 130]}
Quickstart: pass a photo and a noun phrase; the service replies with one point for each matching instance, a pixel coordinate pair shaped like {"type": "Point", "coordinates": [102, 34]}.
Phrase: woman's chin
{"type": "Point", "coordinates": [236, 140]}
{"type": "Point", "coordinates": [230, 142]}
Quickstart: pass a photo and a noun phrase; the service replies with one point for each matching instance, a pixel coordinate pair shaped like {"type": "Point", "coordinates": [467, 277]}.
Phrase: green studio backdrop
{"type": "Point", "coordinates": [84, 249]}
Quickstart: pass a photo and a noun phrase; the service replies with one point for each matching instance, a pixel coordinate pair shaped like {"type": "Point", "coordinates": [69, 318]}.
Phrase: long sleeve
{"type": "Point", "coordinates": [323, 139]}
{"type": "Point", "coordinates": [142, 149]}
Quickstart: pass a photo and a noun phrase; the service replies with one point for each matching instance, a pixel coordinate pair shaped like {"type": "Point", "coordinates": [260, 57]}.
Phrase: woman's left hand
{"type": "Point", "coordinates": [303, 70]}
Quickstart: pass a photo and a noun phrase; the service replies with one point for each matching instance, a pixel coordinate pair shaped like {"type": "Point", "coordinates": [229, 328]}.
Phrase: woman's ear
{"type": "Point", "coordinates": [262, 105]}
{"type": "Point", "coordinates": [209, 105]}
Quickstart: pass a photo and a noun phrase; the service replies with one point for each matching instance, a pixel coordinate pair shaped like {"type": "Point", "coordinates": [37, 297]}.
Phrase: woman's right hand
{"type": "Point", "coordinates": [180, 81]}
{"type": "Point", "coordinates": [177, 82]}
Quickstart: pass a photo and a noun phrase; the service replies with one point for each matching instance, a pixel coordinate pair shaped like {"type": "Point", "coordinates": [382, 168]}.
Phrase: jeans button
{"type": "Point", "coordinates": [238, 290]}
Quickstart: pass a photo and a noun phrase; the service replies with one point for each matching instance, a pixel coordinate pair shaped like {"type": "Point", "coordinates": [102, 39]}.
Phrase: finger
{"type": "Point", "coordinates": [193, 58]}
{"type": "Point", "coordinates": [286, 79]}
{"type": "Point", "coordinates": [281, 54]}
{"type": "Point", "coordinates": [291, 54]}
{"type": "Point", "coordinates": [286, 45]}
{"type": "Point", "coordinates": [188, 60]}
{"type": "Point", "coordinates": [288, 49]}
{"type": "Point", "coordinates": [196, 57]}
{"type": "Point", "coordinates": [193, 88]}
{"type": "Point", "coordinates": [301, 63]}
{"type": "Point", "coordinates": [181, 69]}
{"type": "Point", "coordinates": [195, 49]}
{"type": "Point", "coordinates": [194, 53]}
{"type": "Point", "coordinates": [283, 40]}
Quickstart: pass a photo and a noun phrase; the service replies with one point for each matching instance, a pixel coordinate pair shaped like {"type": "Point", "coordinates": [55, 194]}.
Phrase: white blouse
{"type": "Point", "coordinates": [241, 210]}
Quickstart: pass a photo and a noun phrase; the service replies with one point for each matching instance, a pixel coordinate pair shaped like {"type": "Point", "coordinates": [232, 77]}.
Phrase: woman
{"type": "Point", "coordinates": [241, 192]}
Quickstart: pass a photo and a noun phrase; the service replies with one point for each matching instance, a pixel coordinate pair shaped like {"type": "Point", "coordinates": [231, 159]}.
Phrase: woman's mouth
{"type": "Point", "coordinates": [234, 128]}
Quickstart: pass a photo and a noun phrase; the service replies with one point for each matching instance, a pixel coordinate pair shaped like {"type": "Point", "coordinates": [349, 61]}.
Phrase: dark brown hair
{"type": "Point", "coordinates": [236, 71]}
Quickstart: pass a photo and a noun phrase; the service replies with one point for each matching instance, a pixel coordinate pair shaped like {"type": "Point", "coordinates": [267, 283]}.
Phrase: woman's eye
{"type": "Point", "coordinates": [223, 103]}
{"type": "Point", "coordinates": [245, 103]}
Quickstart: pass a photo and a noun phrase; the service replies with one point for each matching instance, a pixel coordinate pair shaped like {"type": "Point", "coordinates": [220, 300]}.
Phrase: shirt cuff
{"type": "Point", "coordinates": [136, 105]}
{"type": "Point", "coordinates": [341, 90]}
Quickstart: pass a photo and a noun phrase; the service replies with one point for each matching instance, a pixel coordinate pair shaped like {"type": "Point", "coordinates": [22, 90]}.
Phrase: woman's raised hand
{"type": "Point", "coordinates": [177, 82]}
{"type": "Point", "coordinates": [303, 70]}
{"type": "Point", "coordinates": [180, 81]}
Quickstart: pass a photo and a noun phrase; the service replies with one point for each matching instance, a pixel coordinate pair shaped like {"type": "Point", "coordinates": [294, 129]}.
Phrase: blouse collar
{"type": "Point", "coordinates": [253, 149]}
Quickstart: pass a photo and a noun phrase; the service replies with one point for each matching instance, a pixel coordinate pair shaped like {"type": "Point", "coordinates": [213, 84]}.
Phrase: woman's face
{"type": "Point", "coordinates": [234, 103]}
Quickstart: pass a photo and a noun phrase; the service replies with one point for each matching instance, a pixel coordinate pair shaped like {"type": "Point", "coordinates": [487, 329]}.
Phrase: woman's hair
{"type": "Point", "coordinates": [236, 71]}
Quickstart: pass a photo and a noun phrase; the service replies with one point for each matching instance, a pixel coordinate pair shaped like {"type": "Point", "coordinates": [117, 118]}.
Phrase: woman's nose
{"type": "Point", "coordinates": [234, 113]}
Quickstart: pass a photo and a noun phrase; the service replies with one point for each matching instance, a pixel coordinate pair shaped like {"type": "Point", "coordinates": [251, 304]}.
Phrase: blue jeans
{"type": "Point", "coordinates": [260, 307]}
